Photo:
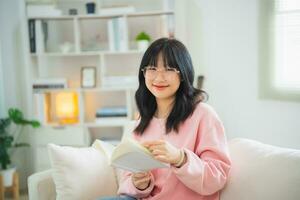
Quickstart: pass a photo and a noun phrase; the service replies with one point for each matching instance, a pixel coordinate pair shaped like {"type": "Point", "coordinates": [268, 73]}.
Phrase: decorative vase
{"type": "Point", "coordinates": [142, 45]}
{"type": "Point", "coordinates": [66, 47]}
{"type": "Point", "coordinates": [90, 8]}
{"type": "Point", "coordinates": [7, 176]}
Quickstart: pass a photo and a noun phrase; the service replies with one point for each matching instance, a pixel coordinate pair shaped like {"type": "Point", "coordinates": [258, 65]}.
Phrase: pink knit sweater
{"type": "Point", "coordinates": [203, 175]}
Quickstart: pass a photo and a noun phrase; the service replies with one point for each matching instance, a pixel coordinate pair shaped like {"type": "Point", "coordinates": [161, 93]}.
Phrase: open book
{"type": "Point", "coordinates": [129, 155]}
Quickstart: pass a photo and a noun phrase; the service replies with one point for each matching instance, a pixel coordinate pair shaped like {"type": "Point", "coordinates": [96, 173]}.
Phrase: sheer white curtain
{"type": "Point", "coordinates": [287, 44]}
{"type": "Point", "coordinates": [2, 110]}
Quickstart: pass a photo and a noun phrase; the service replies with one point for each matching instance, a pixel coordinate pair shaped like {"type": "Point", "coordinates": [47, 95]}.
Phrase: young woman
{"type": "Point", "coordinates": [178, 128]}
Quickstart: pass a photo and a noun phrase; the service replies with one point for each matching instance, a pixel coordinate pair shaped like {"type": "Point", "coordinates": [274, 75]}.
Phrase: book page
{"type": "Point", "coordinates": [132, 156]}
{"type": "Point", "coordinates": [137, 162]}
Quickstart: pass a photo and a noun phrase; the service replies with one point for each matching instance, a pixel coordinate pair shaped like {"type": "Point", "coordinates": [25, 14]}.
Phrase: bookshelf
{"type": "Point", "coordinates": [60, 46]}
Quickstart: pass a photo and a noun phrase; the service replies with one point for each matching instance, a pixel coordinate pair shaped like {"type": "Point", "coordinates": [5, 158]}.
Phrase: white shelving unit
{"type": "Point", "coordinates": [49, 62]}
{"type": "Point", "coordinates": [89, 40]}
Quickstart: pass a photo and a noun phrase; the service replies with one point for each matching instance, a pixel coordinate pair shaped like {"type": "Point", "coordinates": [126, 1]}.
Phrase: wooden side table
{"type": "Point", "coordinates": [14, 188]}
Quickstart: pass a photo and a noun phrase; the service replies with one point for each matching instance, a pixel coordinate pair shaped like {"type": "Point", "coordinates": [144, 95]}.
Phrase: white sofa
{"type": "Point", "coordinates": [259, 172]}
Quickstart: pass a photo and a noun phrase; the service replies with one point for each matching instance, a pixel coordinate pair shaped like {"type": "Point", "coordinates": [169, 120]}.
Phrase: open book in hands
{"type": "Point", "coordinates": [129, 155]}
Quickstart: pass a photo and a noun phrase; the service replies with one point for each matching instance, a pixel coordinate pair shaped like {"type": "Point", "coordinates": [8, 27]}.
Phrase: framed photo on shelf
{"type": "Point", "coordinates": [88, 77]}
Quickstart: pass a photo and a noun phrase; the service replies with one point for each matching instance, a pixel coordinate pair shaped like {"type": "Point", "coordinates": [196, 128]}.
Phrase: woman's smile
{"type": "Point", "coordinates": [159, 87]}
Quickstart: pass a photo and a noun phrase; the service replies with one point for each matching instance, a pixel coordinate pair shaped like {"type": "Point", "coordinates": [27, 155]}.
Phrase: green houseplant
{"type": "Point", "coordinates": [8, 136]}
{"type": "Point", "coordinates": [143, 40]}
{"type": "Point", "coordinates": [143, 36]}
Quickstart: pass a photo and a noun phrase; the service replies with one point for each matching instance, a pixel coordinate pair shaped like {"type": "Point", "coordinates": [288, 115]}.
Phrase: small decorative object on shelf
{"type": "Point", "coordinates": [73, 11]}
{"type": "Point", "coordinates": [88, 77]}
{"type": "Point", "coordinates": [90, 8]}
{"type": "Point", "coordinates": [143, 40]}
{"type": "Point", "coordinates": [66, 47]}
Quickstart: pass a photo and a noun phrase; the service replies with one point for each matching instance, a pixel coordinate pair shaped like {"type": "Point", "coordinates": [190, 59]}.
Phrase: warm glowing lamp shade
{"type": "Point", "coordinates": [66, 107]}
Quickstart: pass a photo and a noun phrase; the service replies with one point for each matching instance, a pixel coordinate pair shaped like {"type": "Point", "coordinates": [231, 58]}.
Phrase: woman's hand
{"type": "Point", "coordinates": [141, 180]}
{"type": "Point", "coordinates": [164, 151]}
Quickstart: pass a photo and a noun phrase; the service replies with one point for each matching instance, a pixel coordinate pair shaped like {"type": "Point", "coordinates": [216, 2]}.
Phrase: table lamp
{"type": "Point", "coordinates": [66, 107]}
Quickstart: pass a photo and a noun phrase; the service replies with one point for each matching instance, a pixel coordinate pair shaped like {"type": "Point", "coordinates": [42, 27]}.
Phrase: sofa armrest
{"type": "Point", "coordinates": [41, 186]}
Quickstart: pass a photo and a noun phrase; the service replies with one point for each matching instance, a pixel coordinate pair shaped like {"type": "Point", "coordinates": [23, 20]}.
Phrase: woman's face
{"type": "Point", "coordinates": [162, 82]}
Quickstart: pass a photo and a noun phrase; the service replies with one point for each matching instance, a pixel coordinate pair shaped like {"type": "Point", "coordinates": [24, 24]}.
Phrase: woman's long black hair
{"type": "Point", "coordinates": [176, 55]}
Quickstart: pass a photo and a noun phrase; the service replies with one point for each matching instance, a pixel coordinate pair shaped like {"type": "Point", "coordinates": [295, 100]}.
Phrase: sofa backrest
{"type": "Point", "coordinates": [260, 172]}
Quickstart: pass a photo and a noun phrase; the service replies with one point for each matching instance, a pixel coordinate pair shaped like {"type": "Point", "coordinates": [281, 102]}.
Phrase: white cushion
{"type": "Point", "coordinates": [261, 172]}
{"type": "Point", "coordinates": [81, 173]}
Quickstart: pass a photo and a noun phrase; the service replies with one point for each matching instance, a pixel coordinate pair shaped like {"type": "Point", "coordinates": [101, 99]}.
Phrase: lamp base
{"type": "Point", "coordinates": [68, 121]}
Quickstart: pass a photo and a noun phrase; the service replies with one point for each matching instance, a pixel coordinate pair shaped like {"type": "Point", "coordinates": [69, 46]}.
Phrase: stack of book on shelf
{"type": "Point", "coordinates": [39, 10]}
{"type": "Point", "coordinates": [106, 112]}
{"type": "Point", "coordinates": [39, 85]}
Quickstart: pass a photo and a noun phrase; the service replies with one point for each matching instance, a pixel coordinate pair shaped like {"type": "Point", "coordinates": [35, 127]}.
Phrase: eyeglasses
{"type": "Point", "coordinates": [151, 72]}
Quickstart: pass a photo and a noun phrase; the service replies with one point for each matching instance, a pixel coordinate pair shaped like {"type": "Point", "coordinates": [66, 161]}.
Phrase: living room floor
{"type": "Point", "coordinates": [23, 196]}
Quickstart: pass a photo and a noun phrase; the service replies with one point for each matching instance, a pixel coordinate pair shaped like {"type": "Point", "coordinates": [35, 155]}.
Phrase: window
{"type": "Point", "coordinates": [280, 52]}
{"type": "Point", "coordinates": [287, 44]}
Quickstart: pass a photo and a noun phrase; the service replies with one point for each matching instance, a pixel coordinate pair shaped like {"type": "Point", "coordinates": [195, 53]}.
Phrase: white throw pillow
{"type": "Point", "coordinates": [81, 173]}
{"type": "Point", "coordinates": [260, 172]}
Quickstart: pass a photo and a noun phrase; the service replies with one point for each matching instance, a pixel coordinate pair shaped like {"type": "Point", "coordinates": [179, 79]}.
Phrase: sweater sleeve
{"type": "Point", "coordinates": [207, 168]}
{"type": "Point", "coordinates": [126, 186]}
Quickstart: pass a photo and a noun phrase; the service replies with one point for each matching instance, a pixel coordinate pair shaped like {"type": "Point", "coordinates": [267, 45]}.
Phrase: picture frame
{"type": "Point", "coordinates": [88, 77]}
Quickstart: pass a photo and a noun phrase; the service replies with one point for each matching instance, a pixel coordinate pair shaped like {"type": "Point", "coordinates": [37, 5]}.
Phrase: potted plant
{"type": "Point", "coordinates": [8, 140]}
{"type": "Point", "coordinates": [143, 40]}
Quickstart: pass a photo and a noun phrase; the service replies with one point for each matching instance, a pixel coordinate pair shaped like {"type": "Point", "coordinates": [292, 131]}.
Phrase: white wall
{"type": "Point", "coordinates": [229, 60]}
